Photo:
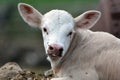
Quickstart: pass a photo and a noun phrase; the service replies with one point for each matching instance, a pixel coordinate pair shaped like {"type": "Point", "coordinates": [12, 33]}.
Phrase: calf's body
{"type": "Point", "coordinates": [75, 52]}
{"type": "Point", "coordinates": [93, 56]}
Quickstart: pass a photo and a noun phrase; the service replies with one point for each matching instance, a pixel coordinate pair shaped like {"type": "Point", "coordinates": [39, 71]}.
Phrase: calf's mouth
{"type": "Point", "coordinates": [55, 54]}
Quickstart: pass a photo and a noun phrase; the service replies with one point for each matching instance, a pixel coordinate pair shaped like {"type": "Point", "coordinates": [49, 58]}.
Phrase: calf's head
{"type": "Point", "coordinates": [58, 27]}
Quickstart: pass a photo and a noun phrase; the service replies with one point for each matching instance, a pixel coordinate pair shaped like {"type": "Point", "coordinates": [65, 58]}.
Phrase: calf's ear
{"type": "Point", "coordinates": [87, 19]}
{"type": "Point", "coordinates": [29, 14]}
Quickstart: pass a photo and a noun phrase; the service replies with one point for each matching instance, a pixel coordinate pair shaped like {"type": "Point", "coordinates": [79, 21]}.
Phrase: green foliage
{"type": "Point", "coordinates": [53, 1]}
{"type": "Point", "coordinates": [48, 1]}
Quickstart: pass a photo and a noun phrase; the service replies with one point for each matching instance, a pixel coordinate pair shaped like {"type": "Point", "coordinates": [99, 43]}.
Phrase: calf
{"type": "Point", "coordinates": [74, 51]}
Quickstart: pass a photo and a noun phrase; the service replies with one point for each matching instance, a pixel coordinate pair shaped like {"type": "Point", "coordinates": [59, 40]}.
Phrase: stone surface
{"type": "Point", "coordinates": [9, 70]}
{"type": "Point", "coordinates": [12, 71]}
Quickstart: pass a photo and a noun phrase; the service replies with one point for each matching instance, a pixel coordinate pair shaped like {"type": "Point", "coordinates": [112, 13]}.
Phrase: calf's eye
{"type": "Point", "coordinates": [70, 33]}
{"type": "Point", "coordinates": [45, 30]}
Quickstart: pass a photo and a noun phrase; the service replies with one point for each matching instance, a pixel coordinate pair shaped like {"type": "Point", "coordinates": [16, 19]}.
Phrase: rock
{"type": "Point", "coordinates": [12, 71]}
{"type": "Point", "coordinates": [29, 75]}
{"type": "Point", "coordinates": [9, 70]}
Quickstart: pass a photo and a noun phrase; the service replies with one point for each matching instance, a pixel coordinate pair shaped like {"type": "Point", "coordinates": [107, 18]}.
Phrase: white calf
{"type": "Point", "coordinates": [75, 52]}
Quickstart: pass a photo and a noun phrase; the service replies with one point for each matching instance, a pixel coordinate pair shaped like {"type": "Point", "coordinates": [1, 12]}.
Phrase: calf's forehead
{"type": "Point", "coordinates": [58, 19]}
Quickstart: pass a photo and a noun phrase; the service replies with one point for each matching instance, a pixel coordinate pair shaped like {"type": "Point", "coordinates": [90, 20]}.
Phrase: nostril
{"type": "Point", "coordinates": [61, 49]}
{"type": "Point", "coordinates": [51, 48]}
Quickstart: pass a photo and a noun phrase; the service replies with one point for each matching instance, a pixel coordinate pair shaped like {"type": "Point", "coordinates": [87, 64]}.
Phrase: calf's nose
{"type": "Point", "coordinates": [55, 48]}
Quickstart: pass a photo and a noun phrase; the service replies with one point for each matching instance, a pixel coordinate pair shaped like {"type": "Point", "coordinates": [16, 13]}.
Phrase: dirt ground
{"type": "Point", "coordinates": [12, 71]}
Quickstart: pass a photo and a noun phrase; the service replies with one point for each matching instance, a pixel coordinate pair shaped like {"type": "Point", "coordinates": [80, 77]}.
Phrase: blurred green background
{"type": "Point", "coordinates": [22, 44]}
